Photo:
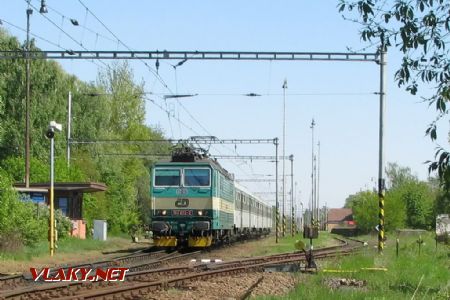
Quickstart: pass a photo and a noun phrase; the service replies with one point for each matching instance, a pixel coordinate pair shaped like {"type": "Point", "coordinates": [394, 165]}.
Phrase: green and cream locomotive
{"type": "Point", "coordinates": [195, 203]}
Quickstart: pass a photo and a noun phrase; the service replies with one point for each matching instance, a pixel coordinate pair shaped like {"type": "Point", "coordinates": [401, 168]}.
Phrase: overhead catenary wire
{"type": "Point", "coordinates": [65, 33]}
{"type": "Point", "coordinates": [279, 94]}
{"type": "Point", "coordinates": [33, 34]}
{"type": "Point", "coordinates": [151, 69]}
{"type": "Point", "coordinates": [202, 127]}
{"type": "Point", "coordinates": [155, 73]}
{"type": "Point", "coordinates": [209, 133]}
{"type": "Point", "coordinates": [97, 34]}
{"type": "Point", "coordinates": [40, 37]}
{"type": "Point", "coordinates": [119, 41]}
{"type": "Point", "coordinates": [153, 101]}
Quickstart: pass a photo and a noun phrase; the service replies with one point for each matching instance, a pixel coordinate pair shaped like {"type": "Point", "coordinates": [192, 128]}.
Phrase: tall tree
{"type": "Point", "coordinates": [126, 102]}
{"type": "Point", "coordinates": [398, 175]}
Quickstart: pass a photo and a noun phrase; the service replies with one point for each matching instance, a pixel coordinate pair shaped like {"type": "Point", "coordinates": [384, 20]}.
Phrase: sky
{"type": "Point", "coordinates": [340, 96]}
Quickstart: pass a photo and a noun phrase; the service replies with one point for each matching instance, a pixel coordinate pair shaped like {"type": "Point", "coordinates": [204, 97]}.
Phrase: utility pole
{"type": "Point", "coordinates": [69, 123]}
{"type": "Point", "coordinates": [318, 182]}
{"type": "Point", "coordinates": [29, 12]}
{"type": "Point", "coordinates": [302, 217]}
{"type": "Point", "coordinates": [381, 183]}
{"type": "Point", "coordinates": [52, 198]}
{"type": "Point", "coordinates": [312, 172]}
{"type": "Point", "coordinates": [284, 154]}
{"type": "Point", "coordinates": [27, 101]}
{"type": "Point", "coordinates": [291, 158]}
{"type": "Point", "coordinates": [316, 212]}
{"type": "Point", "coordinates": [277, 204]}
{"type": "Point", "coordinates": [298, 225]}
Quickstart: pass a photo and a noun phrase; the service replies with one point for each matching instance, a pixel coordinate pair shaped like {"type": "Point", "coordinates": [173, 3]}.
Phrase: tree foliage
{"type": "Point", "coordinates": [420, 29]}
{"type": "Point", "coordinates": [365, 210]}
{"type": "Point", "coordinates": [398, 175]}
{"type": "Point", "coordinates": [110, 108]}
{"type": "Point", "coordinates": [409, 202]}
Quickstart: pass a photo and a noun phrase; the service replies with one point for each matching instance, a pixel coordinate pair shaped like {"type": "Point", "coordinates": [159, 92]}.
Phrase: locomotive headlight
{"type": "Point", "coordinates": [200, 213]}
{"type": "Point", "coordinates": [164, 212]}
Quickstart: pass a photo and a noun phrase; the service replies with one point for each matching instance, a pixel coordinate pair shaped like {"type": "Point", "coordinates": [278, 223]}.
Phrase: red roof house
{"type": "Point", "coordinates": [340, 217]}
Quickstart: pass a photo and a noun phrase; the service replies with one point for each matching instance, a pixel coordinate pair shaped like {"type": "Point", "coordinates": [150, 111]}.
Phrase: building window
{"type": "Point", "coordinates": [63, 205]}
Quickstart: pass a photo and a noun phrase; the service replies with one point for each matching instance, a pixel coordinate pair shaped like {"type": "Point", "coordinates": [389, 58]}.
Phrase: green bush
{"type": "Point", "coordinates": [18, 222]}
{"type": "Point", "coordinates": [63, 224]}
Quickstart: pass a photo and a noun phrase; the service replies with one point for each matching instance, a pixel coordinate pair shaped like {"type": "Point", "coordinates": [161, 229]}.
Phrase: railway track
{"type": "Point", "coordinates": [144, 278]}
{"type": "Point", "coordinates": [50, 290]}
{"type": "Point", "coordinates": [14, 281]}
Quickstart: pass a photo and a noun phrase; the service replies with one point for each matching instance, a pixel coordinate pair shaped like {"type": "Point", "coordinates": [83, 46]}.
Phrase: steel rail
{"type": "Point", "coordinates": [68, 289]}
{"type": "Point", "coordinates": [141, 288]}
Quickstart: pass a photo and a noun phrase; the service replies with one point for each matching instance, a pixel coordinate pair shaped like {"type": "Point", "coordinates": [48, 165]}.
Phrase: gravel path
{"type": "Point", "coordinates": [230, 287]}
{"type": "Point", "coordinates": [234, 287]}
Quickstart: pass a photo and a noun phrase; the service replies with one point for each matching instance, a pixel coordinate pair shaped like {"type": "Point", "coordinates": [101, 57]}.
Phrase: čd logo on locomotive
{"type": "Point", "coordinates": [182, 202]}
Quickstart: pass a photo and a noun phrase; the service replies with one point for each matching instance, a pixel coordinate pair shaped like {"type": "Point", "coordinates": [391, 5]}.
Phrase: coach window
{"type": "Point", "coordinates": [197, 177]}
{"type": "Point", "coordinates": [167, 177]}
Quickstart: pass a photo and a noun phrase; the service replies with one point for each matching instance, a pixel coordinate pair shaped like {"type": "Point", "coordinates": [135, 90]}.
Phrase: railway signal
{"type": "Point", "coordinates": [50, 134]}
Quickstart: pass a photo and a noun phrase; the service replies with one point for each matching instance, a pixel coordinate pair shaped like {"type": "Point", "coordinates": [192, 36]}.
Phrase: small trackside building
{"type": "Point", "coordinates": [68, 199]}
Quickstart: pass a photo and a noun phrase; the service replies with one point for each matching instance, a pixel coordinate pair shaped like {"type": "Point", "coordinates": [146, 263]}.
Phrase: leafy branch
{"type": "Point", "coordinates": [420, 29]}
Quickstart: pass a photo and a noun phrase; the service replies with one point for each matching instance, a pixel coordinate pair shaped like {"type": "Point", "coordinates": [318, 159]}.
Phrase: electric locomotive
{"type": "Point", "coordinates": [194, 205]}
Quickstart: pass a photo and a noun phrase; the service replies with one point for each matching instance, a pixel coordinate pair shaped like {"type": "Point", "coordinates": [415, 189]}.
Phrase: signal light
{"type": "Point", "coordinates": [164, 212]}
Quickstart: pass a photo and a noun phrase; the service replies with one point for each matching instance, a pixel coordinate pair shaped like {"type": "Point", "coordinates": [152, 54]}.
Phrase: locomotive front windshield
{"type": "Point", "coordinates": [196, 177]}
{"type": "Point", "coordinates": [167, 177]}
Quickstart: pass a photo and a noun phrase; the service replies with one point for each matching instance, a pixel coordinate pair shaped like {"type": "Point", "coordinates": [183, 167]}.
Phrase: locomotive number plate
{"type": "Point", "coordinates": [182, 212]}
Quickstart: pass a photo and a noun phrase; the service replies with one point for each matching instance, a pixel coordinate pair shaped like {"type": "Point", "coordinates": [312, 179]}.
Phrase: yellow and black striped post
{"type": "Point", "coordinates": [381, 215]}
{"type": "Point", "coordinates": [381, 186]}
{"type": "Point", "coordinates": [293, 222]}
{"type": "Point", "coordinates": [277, 228]}
{"type": "Point", "coordinates": [284, 225]}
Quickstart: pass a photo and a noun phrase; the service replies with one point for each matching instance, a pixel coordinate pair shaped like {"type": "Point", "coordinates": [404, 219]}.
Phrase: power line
{"type": "Point", "coordinates": [207, 131]}
{"type": "Point", "coordinates": [289, 94]}
{"type": "Point", "coordinates": [33, 34]}
{"type": "Point", "coordinates": [81, 25]}
{"type": "Point", "coordinates": [188, 127]}
{"type": "Point", "coordinates": [155, 73]}
{"type": "Point", "coordinates": [168, 112]}
{"type": "Point", "coordinates": [63, 31]}
{"type": "Point", "coordinates": [191, 116]}
{"type": "Point", "coordinates": [126, 46]}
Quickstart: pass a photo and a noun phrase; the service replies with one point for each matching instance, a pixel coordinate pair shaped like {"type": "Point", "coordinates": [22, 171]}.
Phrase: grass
{"type": "Point", "coordinates": [286, 244]}
{"type": "Point", "coordinates": [427, 274]}
{"type": "Point", "coordinates": [68, 245]}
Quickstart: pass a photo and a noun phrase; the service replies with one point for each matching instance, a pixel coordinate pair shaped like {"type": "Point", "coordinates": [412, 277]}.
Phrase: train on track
{"type": "Point", "coordinates": [196, 203]}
